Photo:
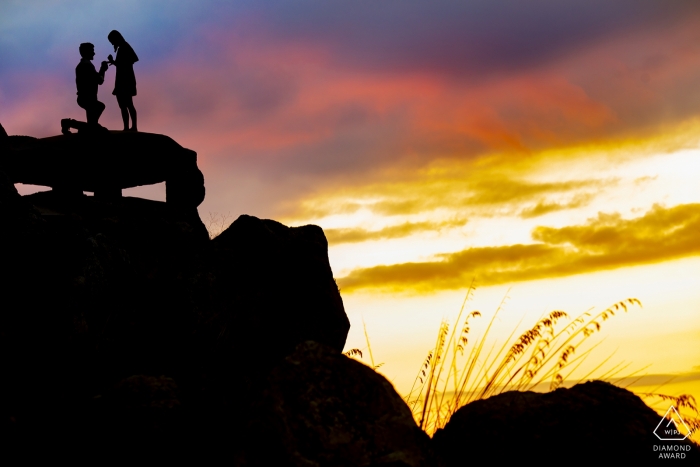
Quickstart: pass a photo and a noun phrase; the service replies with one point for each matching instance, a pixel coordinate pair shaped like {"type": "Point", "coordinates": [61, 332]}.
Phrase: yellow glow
{"type": "Point", "coordinates": [505, 201]}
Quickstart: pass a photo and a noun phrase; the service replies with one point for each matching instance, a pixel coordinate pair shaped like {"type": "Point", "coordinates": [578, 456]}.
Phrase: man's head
{"type": "Point", "coordinates": [87, 50]}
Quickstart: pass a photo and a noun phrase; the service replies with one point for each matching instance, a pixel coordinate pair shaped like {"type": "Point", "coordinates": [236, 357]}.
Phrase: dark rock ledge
{"type": "Point", "coordinates": [104, 163]}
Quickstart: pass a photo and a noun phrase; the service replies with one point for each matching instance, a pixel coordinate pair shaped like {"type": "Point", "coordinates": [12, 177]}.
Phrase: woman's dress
{"type": "Point", "coordinates": [125, 81]}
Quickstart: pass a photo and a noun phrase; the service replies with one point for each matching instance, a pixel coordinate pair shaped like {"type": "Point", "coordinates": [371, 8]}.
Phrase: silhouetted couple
{"type": "Point", "coordinates": [87, 80]}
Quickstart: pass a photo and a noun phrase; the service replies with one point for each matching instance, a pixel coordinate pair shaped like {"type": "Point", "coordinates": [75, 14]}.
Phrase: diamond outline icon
{"type": "Point", "coordinates": [671, 420]}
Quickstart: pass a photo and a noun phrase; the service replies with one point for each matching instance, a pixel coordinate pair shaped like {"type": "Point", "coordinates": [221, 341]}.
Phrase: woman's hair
{"type": "Point", "coordinates": [115, 38]}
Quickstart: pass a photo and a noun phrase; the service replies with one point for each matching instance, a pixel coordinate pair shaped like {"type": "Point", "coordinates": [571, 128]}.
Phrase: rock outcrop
{"type": "Point", "coordinates": [104, 163]}
{"type": "Point", "coordinates": [593, 422]}
{"type": "Point", "coordinates": [319, 407]}
{"type": "Point", "coordinates": [120, 316]}
{"type": "Point", "coordinates": [283, 269]}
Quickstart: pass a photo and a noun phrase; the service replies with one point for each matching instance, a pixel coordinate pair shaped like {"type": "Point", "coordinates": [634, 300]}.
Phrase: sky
{"type": "Point", "coordinates": [547, 150]}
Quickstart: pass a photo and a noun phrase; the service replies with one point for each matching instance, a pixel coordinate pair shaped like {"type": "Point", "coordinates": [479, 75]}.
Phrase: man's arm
{"type": "Point", "coordinates": [101, 74]}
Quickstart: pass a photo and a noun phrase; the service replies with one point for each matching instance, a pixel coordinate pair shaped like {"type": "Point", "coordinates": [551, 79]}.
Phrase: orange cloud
{"type": "Point", "coordinates": [356, 235]}
{"type": "Point", "coordinates": [479, 193]}
{"type": "Point", "coordinates": [543, 207]}
{"type": "Point", "coordinates": [607, 242]}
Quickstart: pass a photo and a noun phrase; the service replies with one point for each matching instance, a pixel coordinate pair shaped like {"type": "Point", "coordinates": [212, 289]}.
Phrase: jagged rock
{"type": "Point", "coordinates": [140, 224]}
{"type": "Point", "coordinates": [140, 417]}
{"type": "Point", "coordinates": [282, 273]}
{"type": "Point", "coordinates": [14, 210]}
{"type": "Point", "coordinates": [147, 392]}
{"type": "Point", "coordinates": [97, 290]}
{"type": "Point", "coordinates": [321, 408]}
{"type": "Point", "coordinates": [105, 163]}
{"type": "Point", "coordinates": [590, 423]}
{"type": "Point", "coordinates": [10, 200]}
{"type": "Point", "coordinates": [110, 293]}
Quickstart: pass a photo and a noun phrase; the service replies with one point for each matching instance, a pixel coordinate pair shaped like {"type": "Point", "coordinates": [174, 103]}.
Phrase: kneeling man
{"type": "Point", "coordinates": [87, 79]}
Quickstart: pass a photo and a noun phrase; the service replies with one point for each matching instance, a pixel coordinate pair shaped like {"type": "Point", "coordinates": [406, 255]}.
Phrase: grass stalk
{"type": "Point", "coordinates": [446, 380]}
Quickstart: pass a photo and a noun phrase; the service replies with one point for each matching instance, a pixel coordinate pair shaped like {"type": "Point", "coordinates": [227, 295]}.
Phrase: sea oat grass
{"type": "Point", "coordinates": [546, 353]}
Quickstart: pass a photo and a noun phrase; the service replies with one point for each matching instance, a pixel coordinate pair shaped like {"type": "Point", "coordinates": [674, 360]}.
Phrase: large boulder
{"type": "Point", "coordinates": [321, 408]}
{"type": "Point", "coordinates": [281, 273]}
{"type": "Point", "coordinates": [594, 422]}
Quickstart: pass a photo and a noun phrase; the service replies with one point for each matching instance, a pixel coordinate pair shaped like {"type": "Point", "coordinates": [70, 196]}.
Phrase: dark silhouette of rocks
{"type": "Point", "coordinates": [593, 422]}
{"type": "Point", "coordinates": [126, 333]}
{"type": "Point", "coordinates": [104, 163]}
{"type": "Point", "coordinates": [319, 407]}
{"type": "Point", "coordinates": [108, 302]}
{"type": "Point", "coordinates": [279, 266]}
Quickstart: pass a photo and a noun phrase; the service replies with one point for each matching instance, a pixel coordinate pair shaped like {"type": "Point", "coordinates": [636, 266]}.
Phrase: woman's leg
{"type": "Point", "coordinates": [123, 103]}
{"type": "Point", "coordinates": [132, 112]}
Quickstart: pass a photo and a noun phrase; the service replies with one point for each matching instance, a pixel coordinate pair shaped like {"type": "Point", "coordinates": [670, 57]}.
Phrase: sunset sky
{"type": "Point", "coordinates": [549, 150]}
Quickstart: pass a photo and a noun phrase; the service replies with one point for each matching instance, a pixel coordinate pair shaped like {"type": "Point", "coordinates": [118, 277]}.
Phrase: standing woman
{"type": "Point", "coordinates": [125, 81]}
